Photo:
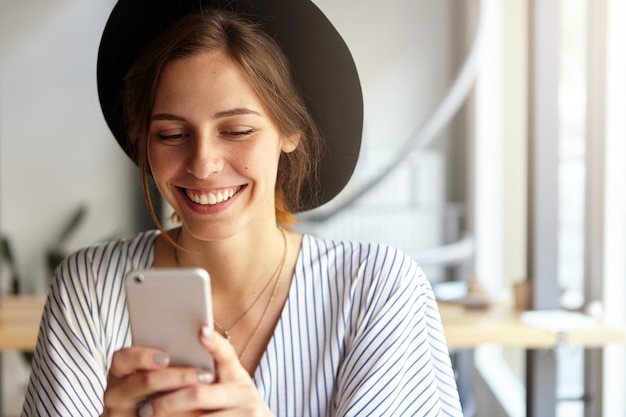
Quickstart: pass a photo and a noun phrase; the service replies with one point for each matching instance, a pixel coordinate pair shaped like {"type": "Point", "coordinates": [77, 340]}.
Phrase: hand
{"type": "Point", "coordinates": [138, 373]}
{"type": "Point", "coordinates": [233, 392]}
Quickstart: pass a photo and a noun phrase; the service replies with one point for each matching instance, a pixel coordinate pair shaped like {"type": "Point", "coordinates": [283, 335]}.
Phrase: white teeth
{"type": "Point", "coordinates": [211, 198]}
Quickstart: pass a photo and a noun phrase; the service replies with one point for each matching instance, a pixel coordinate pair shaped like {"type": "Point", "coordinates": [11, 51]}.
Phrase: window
{"type": "Point", "coordinates": [590, 161]}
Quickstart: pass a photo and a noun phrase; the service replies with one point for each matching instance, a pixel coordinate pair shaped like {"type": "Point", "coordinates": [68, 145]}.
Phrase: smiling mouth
{"type": "Point", "coordinates": [212, 198]}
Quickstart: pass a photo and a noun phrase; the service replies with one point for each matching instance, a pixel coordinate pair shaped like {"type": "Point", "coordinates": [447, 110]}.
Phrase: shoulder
{"type": "Point", "coordinates": [358, 253]}
{"type": "Point", "coordinates": [137, 248]}
{"type": "Point", "coordinates": [363, 261]}
{"type": "Point", "coordinates": [108, 260]}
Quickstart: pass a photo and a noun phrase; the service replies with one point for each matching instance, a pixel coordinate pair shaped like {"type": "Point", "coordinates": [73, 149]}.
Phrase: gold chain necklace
{"type": "Point", "coordinates": [275, 277]}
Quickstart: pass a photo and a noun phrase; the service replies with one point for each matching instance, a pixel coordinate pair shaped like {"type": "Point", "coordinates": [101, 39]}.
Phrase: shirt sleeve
{"type": "Point", "coordinates": [398, 362]}
{"type": "Point", "coordinates": [68, 374]}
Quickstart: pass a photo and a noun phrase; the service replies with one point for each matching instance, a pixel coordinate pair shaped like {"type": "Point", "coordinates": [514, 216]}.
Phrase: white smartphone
{"type": "Point", "coordinates": [167, 308]}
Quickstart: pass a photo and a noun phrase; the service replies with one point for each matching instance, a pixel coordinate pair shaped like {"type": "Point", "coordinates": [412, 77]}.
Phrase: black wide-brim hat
{"type": "Point", "coordinates": [321, 62]}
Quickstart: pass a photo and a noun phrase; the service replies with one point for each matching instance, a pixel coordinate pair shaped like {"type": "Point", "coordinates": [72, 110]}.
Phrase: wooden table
{"type": "Point", "coordinates": [19, 325]}
{"type": "Point", "coordinates": [19, 321]}
{"type": "Point", "coordinates": [503, 325]}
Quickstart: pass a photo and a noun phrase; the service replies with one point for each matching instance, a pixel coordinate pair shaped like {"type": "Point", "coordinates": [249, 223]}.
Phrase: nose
{"type": "Point", "coordinates": [205, 157]}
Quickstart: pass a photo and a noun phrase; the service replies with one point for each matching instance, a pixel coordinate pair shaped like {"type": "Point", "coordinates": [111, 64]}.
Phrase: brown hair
{"type": "Point", "coordinates": [264, 66]}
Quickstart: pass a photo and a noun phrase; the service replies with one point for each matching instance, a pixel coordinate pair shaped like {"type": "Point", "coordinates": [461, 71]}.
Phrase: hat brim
{"type": "Point", "coordinates": [320, 59]}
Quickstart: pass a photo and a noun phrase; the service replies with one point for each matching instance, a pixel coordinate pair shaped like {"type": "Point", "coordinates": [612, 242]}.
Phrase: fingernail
{"type": "Point", "coordinates": [161, 358]}
{"type": "Point", "coordinates": [205, 377]}
{"type": "Point", "coordinates": [207, 333]}
{"type": "Point", "coordinates": [145, 410]}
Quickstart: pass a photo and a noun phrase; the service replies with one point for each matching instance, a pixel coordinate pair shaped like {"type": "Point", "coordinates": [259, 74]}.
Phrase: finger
{"type": "Point", "coordinates": [126, 393]}
{"type": "Point", "coordinates": [206, 397]}
{"type": "Point", "coordinates": [128, 360]}
{"type": "Point", "coordinates": [227, 363]}
{"type": "Point", "coordinates": [123, 393]}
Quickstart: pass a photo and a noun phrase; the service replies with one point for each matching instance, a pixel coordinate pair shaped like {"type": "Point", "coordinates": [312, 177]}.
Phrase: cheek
{"type": "Point", "coordinates": [160, 160]}
{"type": "Point", "coordinates": [160, 169]}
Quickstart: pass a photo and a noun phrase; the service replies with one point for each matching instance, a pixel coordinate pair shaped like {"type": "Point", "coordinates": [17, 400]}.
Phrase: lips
{"type": "Point", "coordinates": [211, 198]}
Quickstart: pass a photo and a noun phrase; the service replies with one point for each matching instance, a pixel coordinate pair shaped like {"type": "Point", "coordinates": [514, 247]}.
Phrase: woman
{"type": "Point", "coordinates": [203, 100]}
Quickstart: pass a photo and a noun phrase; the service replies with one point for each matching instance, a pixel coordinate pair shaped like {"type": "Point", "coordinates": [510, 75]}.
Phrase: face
{"type": "Point", "coordinates": [213, 149]}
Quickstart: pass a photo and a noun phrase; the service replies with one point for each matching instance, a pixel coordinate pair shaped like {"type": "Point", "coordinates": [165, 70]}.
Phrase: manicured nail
{"type": "Point", "coordinates": [161, 358]}
{"type": "Point", "coordinates": [205, 377]}
{"type": "Point", "coordinates": [207, 333]}
{"type": "Point", "coordinates": [145, 410]}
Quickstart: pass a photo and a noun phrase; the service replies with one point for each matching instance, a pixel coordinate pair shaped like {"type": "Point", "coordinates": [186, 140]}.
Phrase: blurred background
{"type": "Point", "coordinates": [494, 153]}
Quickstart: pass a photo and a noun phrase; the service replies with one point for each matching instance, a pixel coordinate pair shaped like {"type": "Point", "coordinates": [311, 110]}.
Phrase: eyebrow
{"type": "Point", "coordinates": [219, 115]}
{"type": "Point", "coordinates": [167, 116]}
{"type": "Point", "coordinates": [235, 112]}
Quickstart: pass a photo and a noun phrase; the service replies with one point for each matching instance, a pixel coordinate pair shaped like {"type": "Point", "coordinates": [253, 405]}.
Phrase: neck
{"type": "Point", "coordinates": [238, 265]}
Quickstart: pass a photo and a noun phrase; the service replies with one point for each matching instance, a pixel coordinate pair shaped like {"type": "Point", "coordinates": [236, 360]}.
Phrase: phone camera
{"type": "Point", "coordinates": [139, 279]}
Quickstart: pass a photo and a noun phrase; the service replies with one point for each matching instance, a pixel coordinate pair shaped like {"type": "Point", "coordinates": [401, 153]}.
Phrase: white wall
{"type": "Point", "coordinates": [56, 151]}
{"type": "Point", "coordinates": [403, 53]}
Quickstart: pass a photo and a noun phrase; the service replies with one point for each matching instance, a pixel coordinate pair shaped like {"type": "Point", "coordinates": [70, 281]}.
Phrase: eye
{"type": "Point", "coordinates": [171, 135]}
{"type": "Point", "coordinates": [237, 133]}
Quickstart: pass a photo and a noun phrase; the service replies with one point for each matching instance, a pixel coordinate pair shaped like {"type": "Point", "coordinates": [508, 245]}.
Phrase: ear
{"type": "Point", "coordinates": [290, 143]}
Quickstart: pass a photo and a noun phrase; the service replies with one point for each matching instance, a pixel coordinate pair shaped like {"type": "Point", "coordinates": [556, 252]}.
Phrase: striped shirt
{"type": "Point", "coordinates": [360, 335]}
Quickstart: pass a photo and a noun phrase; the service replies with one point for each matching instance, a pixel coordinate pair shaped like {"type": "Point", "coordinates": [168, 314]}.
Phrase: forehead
{"type": "Point", "coordinates": [202, 68]}
{"type": "Point", "coordinates": [206, 80]}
